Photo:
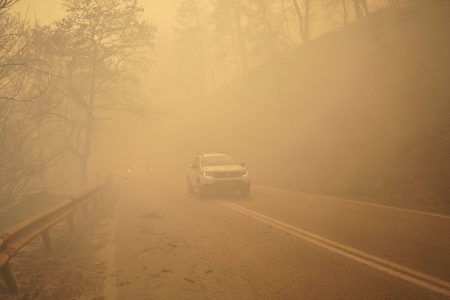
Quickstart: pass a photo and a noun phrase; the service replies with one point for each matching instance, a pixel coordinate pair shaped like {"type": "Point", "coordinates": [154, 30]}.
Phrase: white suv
{"type": "Point", "coordinates": [216, 171]}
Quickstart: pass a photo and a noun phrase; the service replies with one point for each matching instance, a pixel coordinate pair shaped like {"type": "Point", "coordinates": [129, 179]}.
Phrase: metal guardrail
{"type": "Point", "coordinates": [16, 237]}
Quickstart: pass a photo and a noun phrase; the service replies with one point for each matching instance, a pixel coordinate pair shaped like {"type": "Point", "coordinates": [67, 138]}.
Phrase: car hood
{"type": "Point", "coordinates": [224, 168]}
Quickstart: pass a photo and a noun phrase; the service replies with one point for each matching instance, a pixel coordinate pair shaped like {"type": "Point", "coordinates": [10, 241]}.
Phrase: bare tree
{"type": "Point", "coordinates": [23, 111]}
{"type": "Point", "coordinates": [101, 43]}
{"type": "Point", "coordinates": [262, 18]}
{"type": "Point", "coordinates": [303, 19]}
{"type": "Point", "coordinates": [229, 21]}
{"type": "Point", "coordinates": [5, 4]}
{"type": "Point", "coordinates": [23, 128]}
{"type": "Point", "coordinates": [192, 32]}
{"type": "Point", "coordinates": [344, 12]}
{"type": "Point", "coordinates": [268, 31]}
{"type": "Point", "coordinates": [286, 21]}
{"type": "Point", "coordinates": [361, 8]}
{"type": "Point", "coordinates": [336, 8]}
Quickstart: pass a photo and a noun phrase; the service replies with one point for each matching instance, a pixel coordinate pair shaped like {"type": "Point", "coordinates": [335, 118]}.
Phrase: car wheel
{"type": "Point", "coordinates": [201, 191]}
{"type": "Point", "coordinates": [190, 187]}
{"type": "Point", "coordinates": [245, 191]}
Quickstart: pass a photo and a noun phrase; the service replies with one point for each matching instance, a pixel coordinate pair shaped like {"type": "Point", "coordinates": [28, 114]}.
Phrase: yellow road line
{"type": "Point", "coordinates": [420, 279]}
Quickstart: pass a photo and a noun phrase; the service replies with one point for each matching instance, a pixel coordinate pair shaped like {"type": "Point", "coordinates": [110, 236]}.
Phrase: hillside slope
{"type": "Point", "coordinates": [364, 110]}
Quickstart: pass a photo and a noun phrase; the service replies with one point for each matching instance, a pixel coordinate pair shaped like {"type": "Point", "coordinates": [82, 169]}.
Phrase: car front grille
{"type": "Point", "coordinates": [227, 174]}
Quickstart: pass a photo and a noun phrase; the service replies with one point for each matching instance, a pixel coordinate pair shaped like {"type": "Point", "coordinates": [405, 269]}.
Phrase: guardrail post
{"type": "Point", "coordinates": [71, 223]}
{"type": "Point", "coordinates": [46, 239]}
{"type": "Point", "coordinates": [9, 278]}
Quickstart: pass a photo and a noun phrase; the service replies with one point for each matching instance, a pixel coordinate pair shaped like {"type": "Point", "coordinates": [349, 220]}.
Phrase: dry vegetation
{"type": "Point", "coordinates": [360, 111]}
{"type": "Point", "coordinates": [57, 82]}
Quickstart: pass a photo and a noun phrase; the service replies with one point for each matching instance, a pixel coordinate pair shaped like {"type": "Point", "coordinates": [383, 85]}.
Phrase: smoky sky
{"type": "Point", "coordinates": [161, 12]}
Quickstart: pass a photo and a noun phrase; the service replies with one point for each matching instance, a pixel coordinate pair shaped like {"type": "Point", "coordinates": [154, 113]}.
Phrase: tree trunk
{"type": "Point", "coordinates": [240, 40]}
{"type": "Point", "coordinates": [286, 22]}
{"type": "Point", "coordinates": [301, 21]}
{"type": "Point", "coordinates": [266, 14]}
{"type": "Point", "coordinates": [84, 160]}
{"type": "Point", "coordinates": [344, 11]}
{"type": "Point", "coordinates": [306, 19]}
{"type": "Point", "coordinates": [364, 7]}
{"type": "Point", "coordinates": [358, 10]}
{"type": "Point", "coordinates": [234, 43]}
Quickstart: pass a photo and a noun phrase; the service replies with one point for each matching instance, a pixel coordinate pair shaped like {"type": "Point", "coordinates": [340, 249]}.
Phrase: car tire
{"type": "Point", "coordinates": [201, 192]}
{"type": "Point", "coordinates": [190, 187]}
{"type": "Point", "coordinates": [245, 191]}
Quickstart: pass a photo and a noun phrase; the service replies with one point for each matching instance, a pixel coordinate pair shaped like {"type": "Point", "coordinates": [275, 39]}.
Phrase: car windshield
{"type": "Point", "coordinates": [218, 160]}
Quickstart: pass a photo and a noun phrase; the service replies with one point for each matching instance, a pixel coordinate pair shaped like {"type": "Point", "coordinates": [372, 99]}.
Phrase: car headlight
{"type": "Point", "coordinates": [208, 174]}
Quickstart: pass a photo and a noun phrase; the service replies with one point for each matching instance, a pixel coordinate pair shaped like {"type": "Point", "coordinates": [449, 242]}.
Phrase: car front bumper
{"type": "Point", "coordinates": [236, 183]}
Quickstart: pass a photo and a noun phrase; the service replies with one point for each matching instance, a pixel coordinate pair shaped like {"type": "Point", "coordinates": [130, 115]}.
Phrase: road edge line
{"type": "Point", "coordinates": [409, 210]}
{"type": "Point", "coordinates": [398, 271]}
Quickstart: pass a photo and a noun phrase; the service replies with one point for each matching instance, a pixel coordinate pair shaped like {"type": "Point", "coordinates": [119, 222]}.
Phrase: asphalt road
{"type": "Point", "coordinates": [277, 244]}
